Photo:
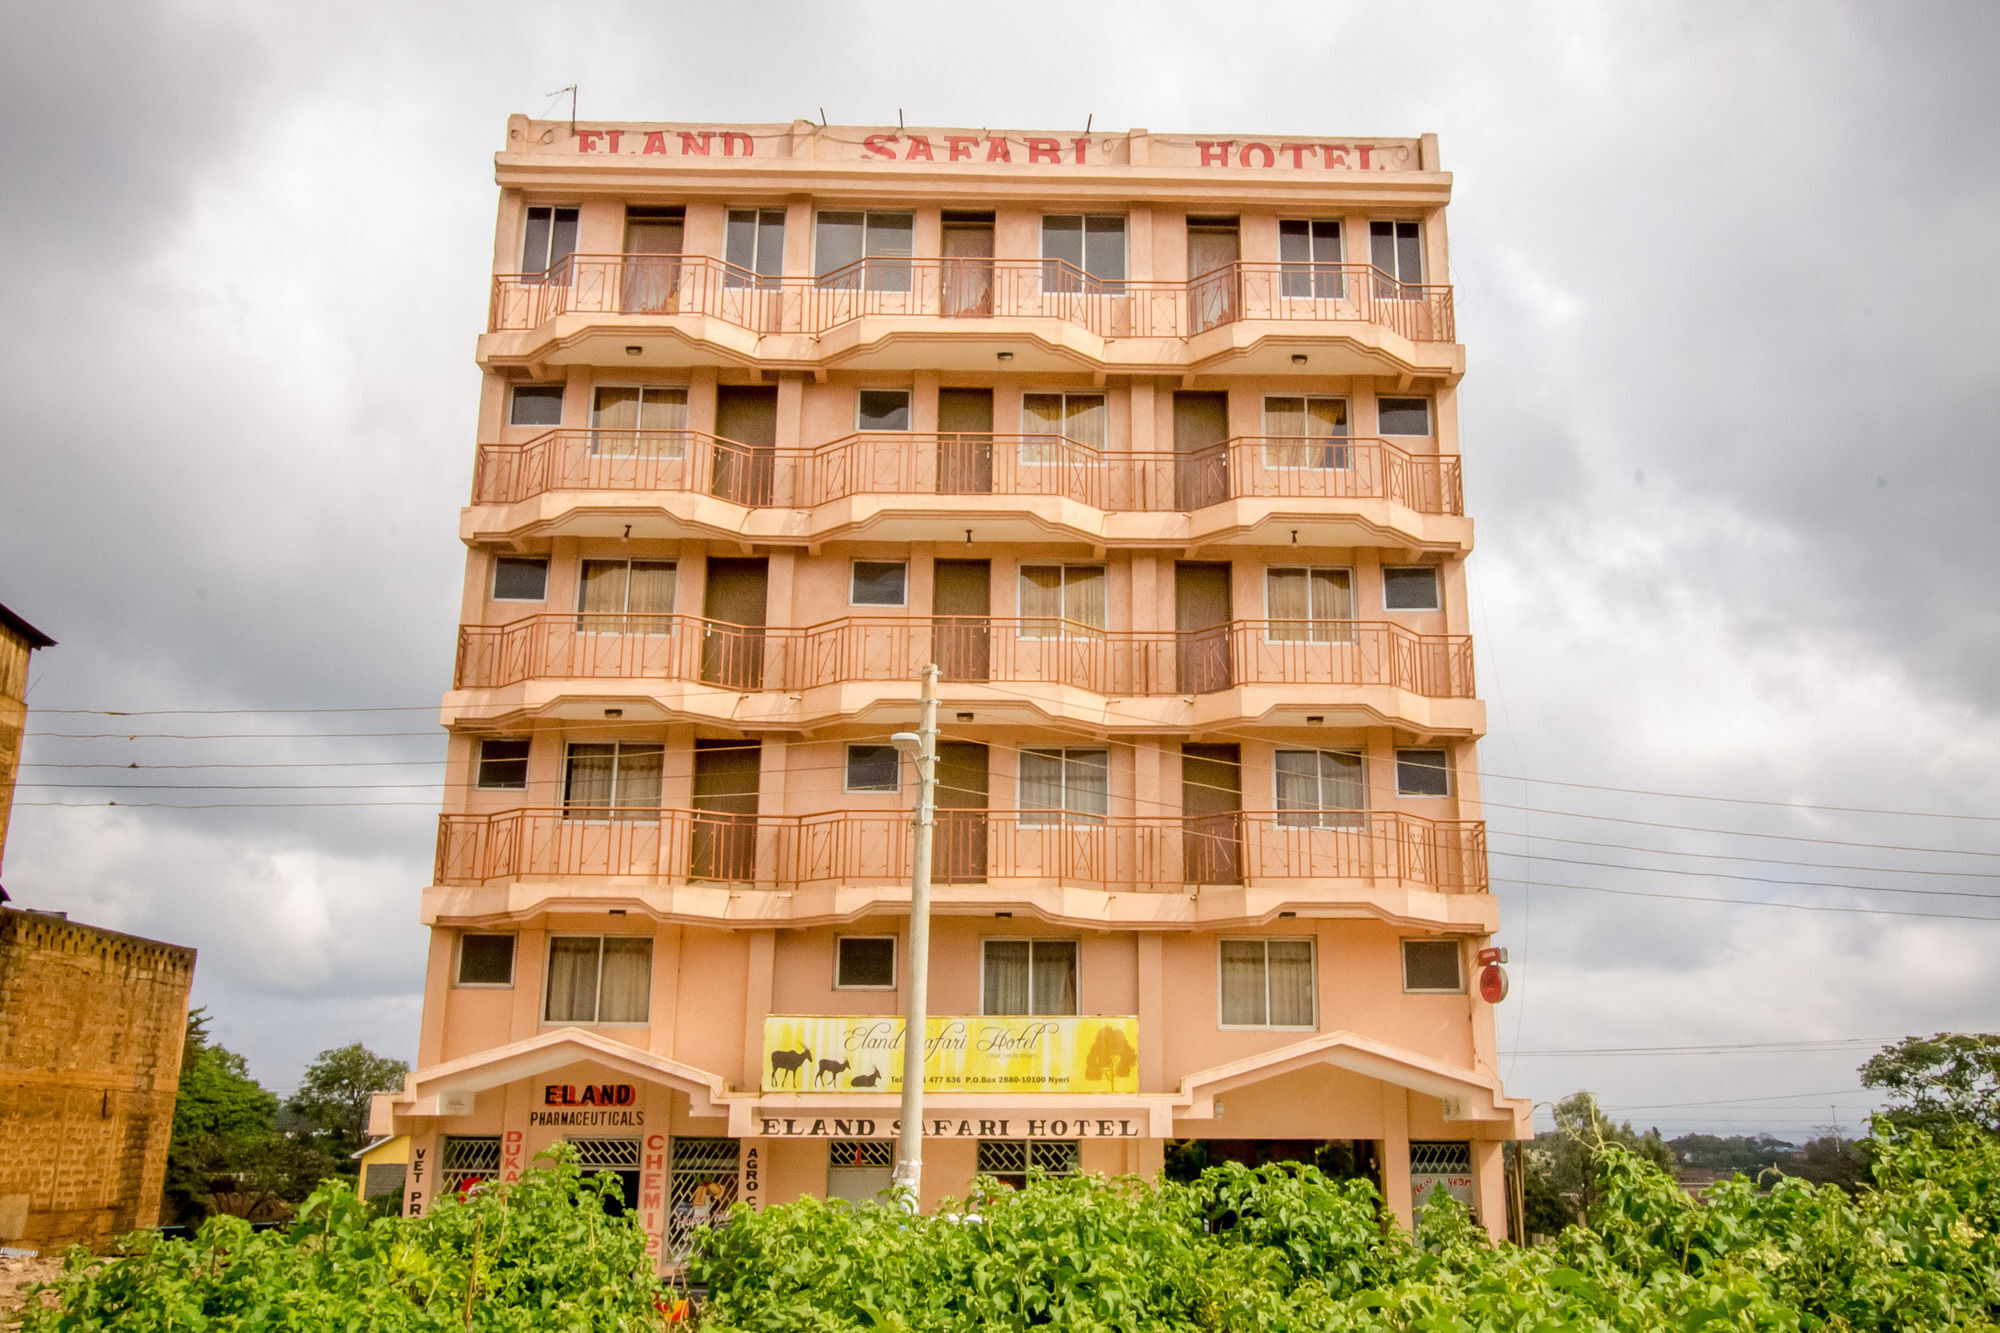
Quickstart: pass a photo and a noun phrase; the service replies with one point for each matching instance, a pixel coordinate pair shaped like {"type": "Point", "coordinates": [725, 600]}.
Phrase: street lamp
{"type": "Point", "coordinates": [919, 746]}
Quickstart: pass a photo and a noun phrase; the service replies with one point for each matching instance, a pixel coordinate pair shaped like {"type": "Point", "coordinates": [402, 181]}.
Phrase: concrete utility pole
{"type": "Point", "coordinates": [921, 746]}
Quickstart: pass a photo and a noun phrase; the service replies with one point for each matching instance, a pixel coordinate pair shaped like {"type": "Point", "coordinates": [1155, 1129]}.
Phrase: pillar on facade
{"type": "Point", "coordinates": [1489, 1183]}
{"type": "Point", "coordinates": [1394, 1154]}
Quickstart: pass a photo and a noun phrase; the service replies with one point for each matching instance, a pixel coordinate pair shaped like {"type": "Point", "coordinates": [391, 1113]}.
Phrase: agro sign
{"type": "Point", "coordinates": [829, 1053]}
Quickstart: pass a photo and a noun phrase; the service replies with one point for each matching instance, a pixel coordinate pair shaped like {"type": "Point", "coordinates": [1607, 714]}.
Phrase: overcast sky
{"type": "Point", "coordinates": [1727, 282]}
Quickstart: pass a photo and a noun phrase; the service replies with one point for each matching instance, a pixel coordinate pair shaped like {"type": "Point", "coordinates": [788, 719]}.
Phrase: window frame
{"type": "Point", "coordinates": [1321, 816]}
{"type": "Point", "coordinates": [527, 224]}
{"type": "Point", "coordinates": [1430, 416]}
{"type": "Point", "coordinates": [1076, 970]}
{"type": "Point", "coordinates": [615, 811]}
{"type": "Point", "coordinates": [1312, 969]}
{"type": "Point", "coordinates": [909, 412]}
{"type": "Point", "coordinates": [1062, 815]}
{"type": "Point", "coordinates": [895, 963]}
{"type": "Point", "coordinates": [1338, 449]}
{"type": "Point", "coordinates": [493, 582]}
{"type": "Point", "coordinates": [1019, 1179]}
{"type": "Point", "coordinates": [1450, 787]}
{"type": "Point", "coordinates": [760, 278]}
{"type": "Point", "coordinates": [1393, 278]}
{"type": "Point", "coordinates": [458, 980]}
{"type": "Point", "coordinates": [1437, 587]}
{"type": "Point", "coordinates": [1458, 956]}
{"type": "Point", "coordinates": [1066, 626]}
{"type": "Point", "coordinates": [1088, 280]}
{"type": "Point", "coordinates": [479, 762]}
{"type": "Point", "coordinates": [597, 1000]}
{"type": "Point", "coordinates": [1336, 630]}
{"type": "Point", "coordinates": [864, 276]}
{"type": "Point", "coordinates": [676, 436]}
{"type": "Point", "coordinates": [649, 617]}
{"type": "Point", "coordinates": [847, 770]}
{"type": "Point", "coordinates": [1319, 285]}
{"type": "Point", "coordinates": [854, 575]}
{"type": "Point", "coordinates": [561, 397]}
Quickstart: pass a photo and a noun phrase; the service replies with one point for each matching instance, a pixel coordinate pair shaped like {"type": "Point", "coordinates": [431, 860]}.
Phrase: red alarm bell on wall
{"type": "Point", "coordinates": [1492, 976]}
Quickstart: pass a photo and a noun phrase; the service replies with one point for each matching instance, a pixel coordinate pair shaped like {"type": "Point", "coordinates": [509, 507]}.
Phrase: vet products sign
{"type": "Point", "coordinates": [832, 1053]}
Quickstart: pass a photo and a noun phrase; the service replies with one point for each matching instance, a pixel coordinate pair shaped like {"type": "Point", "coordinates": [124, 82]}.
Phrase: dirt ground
{"type": "Point", "coordinates": [16, 1276]}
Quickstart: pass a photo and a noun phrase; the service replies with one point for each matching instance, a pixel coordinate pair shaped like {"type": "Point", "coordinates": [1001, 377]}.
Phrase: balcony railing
{"type": "Point", "coordinates": [1011, 848]}
{"type": "Point", "coordinates": [911, 463]}
{"type": "Point", "coordinates": [972, 289]}
{"type": "Point", "coordinates": [968, 649]}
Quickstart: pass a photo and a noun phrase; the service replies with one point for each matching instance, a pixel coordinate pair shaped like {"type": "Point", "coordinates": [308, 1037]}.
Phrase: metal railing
{"type": "Point", "coordinates": [919, 463]}
{"type": "Point", "coordinates": [969, 649]}
{"type": "Point", "coordinates": [972, 289]}
{"type": "Point", "coordinates": [1013, 848]}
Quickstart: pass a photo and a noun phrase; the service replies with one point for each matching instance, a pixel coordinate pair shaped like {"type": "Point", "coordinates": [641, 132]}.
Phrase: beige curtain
{"type": "Point", "coordinates": [638, 779]}
{"type": "Point", "coordinates": [1310, 605]}
{"type": "Point", "coordinates": [1289, 963]}
{"type": "Point", "coordinates": [1083, 419]}
{"type": "Point", "coordinates": [1041, 780]}
{"type": "Point", "coordinates": [627, 980]}
{"type": "Point", "coordinates": [588, 779]}
{"type": "Point", "coordinates": [1084, 595]}
{"type": "Point", "coordinates": [602, 590]}
{"type": "Point", "coordinates": [650, 591]}
{"type": "Point", "coordinates": [1006, 980]}
{"type": "Point", "coordinates": [1041, 601]}
{"type": "Point", "coordinates": [1041, 425]}
{"type": "Point", "coordinates": [1244, 1003]}
{"type": "Point", "coordinates": [1053, 978]}
{"type": "Point", "coordinates": [573, 978]}
{"type": "Point", "coordinates": [1087, 782]}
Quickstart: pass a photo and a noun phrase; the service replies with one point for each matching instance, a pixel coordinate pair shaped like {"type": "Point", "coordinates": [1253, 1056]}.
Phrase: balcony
{"type": "Point", "coordinates": [1020, 487]}
{"type": "Point", "coordinates": [1298, 856]}
{"type": "Point", "coordinates": [1044, 670]}
{"type": "Point", "coordinates": [1065, 317]}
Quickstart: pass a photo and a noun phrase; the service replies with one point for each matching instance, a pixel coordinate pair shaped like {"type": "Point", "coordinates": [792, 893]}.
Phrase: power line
{"type": "Point", "coordinates": [1801, 1045]}
{"type": "Point", "coordinates": [1746, 800]}
{"type": "Point", "coordinates": [1757, 879]}
{"type": "Point", "coordinates": [1748, 902]}
{"type": "Point", "coordinates": [1732, 856]}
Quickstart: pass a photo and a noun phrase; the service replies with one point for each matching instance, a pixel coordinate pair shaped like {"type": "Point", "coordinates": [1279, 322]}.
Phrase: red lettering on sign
{"type": "Point", "coordinates": [1044, 150]}
{"type": "Point", "coordinates": [656, 142]}
{"type": "Point", "coordinates": [614, 136]}
{"type": "Point", "coordinates": [1214, 152]}
{"type": "Point", "coordinates": [1297, 150]}
{"type": "Point", "coordinates": [1333, 155]}
{"type": "Point", "coordinates": [654, 1161]}
{"type": "Point", "coordinates": [1080, 145]}
{"type": "Point", "coordinates": [878, 144]}
{"type": "Point", "coordinates": [919, 141]}
{"type": "Point", "coordinates": [1361, 151]}
{"type": "Point", "coordinates": [651, 1202]}
{"type": "Point", "coordinates": [586, 140]}
{"type": "Point", "coordinates": [996, 151]}
{"type": "Point", "coordinates": [961, 147]}
{"type": "Point", "coordinates": [696, 147]}
{"type": "Point", "coordinates": [1270, 159]}
{"type": "Point", "coordinates": [656, 1143]}
{"type": "Point", "coordinates": [730, 140]}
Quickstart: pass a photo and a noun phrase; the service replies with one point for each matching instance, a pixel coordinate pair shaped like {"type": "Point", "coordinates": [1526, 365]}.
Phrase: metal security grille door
{"type": "Point", "coordinates": [468, 1162]}
{"type": "Point", "coordinates": [1446, 1164]}
{"type": "Point", "coordinates": [858, 1170]}
{"type": "Point", "coordinates": [619, 1157]}
{"type": "Point", "coordinates": [1010, 1160]}
{"type": "Point", "coordinates": [701, 1185]}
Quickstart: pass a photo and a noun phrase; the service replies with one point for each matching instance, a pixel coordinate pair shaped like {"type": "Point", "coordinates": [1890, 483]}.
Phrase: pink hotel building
{"type": "Point", "coordinates": [1150, 444]}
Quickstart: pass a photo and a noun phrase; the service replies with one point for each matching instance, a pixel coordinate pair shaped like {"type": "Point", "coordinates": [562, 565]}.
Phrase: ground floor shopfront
{"type": "Point", "coordinates": [686, 1146]}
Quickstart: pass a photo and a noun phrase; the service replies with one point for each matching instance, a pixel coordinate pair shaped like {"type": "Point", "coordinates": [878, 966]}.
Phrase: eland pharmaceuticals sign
{"type": "Point", "coordinates": [986, 149]}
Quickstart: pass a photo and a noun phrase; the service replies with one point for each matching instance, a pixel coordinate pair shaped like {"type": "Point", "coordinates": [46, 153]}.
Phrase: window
{"type": "Point", "coordinates": [639, 420]}
{"type": "Point", "coordinates": [612, 780]}
{"type": "Point", "coordinates": [486, 960]}
{"type": "Point", "coordinates": [1410, 588]}
{"type": "Point", "coordinates": [754, 246]}
{"type": "Point", "coordinates": [1009, 1161]}
{"type": "Point", "coordinates": [1047, 419]}
{"type": "Point", "coordinates": [1064, 786]}
{"type": "Point", "coordinates": [1058, 600]}
{"type": "Point", "coordinates": [1423, 773]}
{"type": "Point", "coordinates": [878, 583]}
{"type": "Point", "coordinates": [1396, 249]}
{"type": "Point", "coordinates": [520, 578]}
{"type": "Point", "coordinates": [1309, 605]}
{"type": "Point", "coordinates": [1267, 984]}
{"type": "Point", "coordinates": [1029, 977]}
{"type": "Point", "coordinates": [1321, 789]}
{"type": "Point", "coordinates": [468, 1163]}
{"type": "Point", "coordinates": [536, 405]}
{"type": "Point", "coordinates": [548, 239]}
{"type": "Point", "coordinates": [1432, 965]}
{"type": "Point", "coordinates": [1084, 253]}
{"type": "Point", "coordinates": [599, 978]}
{"type": "Point", "coordinates": [882, 409]}
{"type": "Point", "coordinates": [1298, 424]}
{"type": "Point", "coordinates": [626, 596]}
{"type": "Point", "coordinates": [874, 768]}
{"type": "Point", "coordinates": [1309, 253]}
{"type": "Point", "coordinates": [882, 240]}
{"type": "Point", "coordinates": [864, 962]}
{"type": "Point", "coordinates": [503, 765]}
{"type": "Point", "coordinates": [1403, 416]}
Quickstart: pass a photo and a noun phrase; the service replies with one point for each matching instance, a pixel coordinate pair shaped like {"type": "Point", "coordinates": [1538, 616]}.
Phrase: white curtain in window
{"type": "Point", "coordinates": [1291, 982]}
{"type": "Point", "coordinates": [1054, 978]}
{"type": "Point", "coordinates": [1243, 999]}
{"type": "Point", "coordinates": [588, 780]}
{"type": "Point", "coordinates": [1041, 601]}
{"type": "Point", "coordinates": [1084, 595]}
{"type": "Point", "coordinates": [1309, 605]}
{"type": "Point", "coordinates": [1083, 419]}
{"type": "Point", "coordinates": [1342, 783]}
{"type": "Point", "coordinates": [573, 979]}
{"type": "Point", "coordinates": [638, 784]}
{"type": "Point", "coordinates": [627, 980]}
{"type": "Point", "coordinates": [1297, 783]}
{"type": "Point", "coordinates": [1041, 785]}
{"type": "Point", "coordinates": [1007, 968]}
{"type": "Point", "coordinates": [650, 591]}
{"type": "Point", "coordinates": [1087, 782]}
{"type": "Point", "coordinates": [603, 588]}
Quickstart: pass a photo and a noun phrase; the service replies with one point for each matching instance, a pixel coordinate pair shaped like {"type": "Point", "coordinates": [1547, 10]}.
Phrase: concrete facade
{"type": "Point", "coordinates": [1151, 443]}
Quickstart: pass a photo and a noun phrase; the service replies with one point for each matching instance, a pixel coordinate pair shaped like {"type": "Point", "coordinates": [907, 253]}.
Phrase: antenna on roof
{"type": "Point", "coordinates": [571, 90]}
{"type": "Point", "coordinates": [822, 117]}
{"type": "Point", "coordinates": [899, 118]}
{"type": "Point", "coordinates": [1086, 121]}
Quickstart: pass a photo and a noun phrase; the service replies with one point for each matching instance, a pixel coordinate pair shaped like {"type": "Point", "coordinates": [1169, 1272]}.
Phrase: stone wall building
{"type": "Point", "coordinates": [17, 639]}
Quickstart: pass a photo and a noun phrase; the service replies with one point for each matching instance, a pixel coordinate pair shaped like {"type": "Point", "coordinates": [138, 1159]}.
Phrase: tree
{"type": "Point", "coordinates": [1561, 1185]}
{"type": "Point", "coordinates": [334, 1093]}
{"type": "Point", "coordinates": [221, 1117]}
{"type": "Point", "coordinates": [1948, 1084]}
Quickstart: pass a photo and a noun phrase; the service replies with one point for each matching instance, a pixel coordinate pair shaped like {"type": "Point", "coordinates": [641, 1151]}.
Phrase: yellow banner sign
{"type": "Point", "coordinates": [831, 1053]}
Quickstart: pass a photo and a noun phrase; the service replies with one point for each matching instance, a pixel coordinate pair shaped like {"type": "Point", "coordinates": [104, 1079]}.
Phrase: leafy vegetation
{"type": "Point", "coordinates": [1947, 1084]}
